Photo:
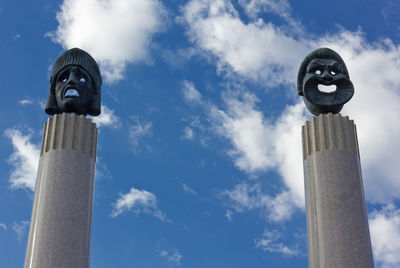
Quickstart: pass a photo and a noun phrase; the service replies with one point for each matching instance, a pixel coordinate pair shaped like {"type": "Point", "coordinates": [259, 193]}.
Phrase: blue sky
{"type": "Point", "coordinates": [199, 150]}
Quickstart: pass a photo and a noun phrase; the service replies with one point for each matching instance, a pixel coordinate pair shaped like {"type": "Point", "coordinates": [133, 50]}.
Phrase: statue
{"type": "Point", "coordinates": [324, 66]}
{"type": "Point", "coordinates": [75, 84]}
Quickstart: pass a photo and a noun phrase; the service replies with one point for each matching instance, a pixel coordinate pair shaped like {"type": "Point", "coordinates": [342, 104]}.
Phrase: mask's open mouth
{"type": "Point", "coordinates": [71, 92]}
{"type": "Point", "coordinates": [326, 89]}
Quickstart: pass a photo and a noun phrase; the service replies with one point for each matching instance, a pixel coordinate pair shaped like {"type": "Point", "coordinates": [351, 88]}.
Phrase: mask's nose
{"type": "Point", "coordinates": [72, 78]}
{"type": "Point", "coordinates": [326, 75]}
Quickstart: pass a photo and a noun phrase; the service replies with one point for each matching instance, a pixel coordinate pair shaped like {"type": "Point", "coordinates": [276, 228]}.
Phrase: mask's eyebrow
{"type": "Point", "coordinates": [314, 65]}
{"type": "Point", "coordinates": [337, 66]}
{"type": "Point", "coordinates": [83, 72]}
{"type": "Point", "coordinates": [63, 73]}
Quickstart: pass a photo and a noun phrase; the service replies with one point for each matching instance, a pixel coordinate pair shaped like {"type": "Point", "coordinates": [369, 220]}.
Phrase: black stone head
{"type": "Point", "coordinates": [324, 67]}
{"type": "Point", "coordinates": [75, 84]}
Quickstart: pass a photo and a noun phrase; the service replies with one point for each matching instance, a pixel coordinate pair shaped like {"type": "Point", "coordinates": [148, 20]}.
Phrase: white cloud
{"type": "Point", "coordinates": [190, 94]}
{"type": "Point", "coordinates": [251, 50]}
{"type": "Point", "coordinates": [385, 236]}
{"type": "Point", "coordinates": [196, 128]}
{"type": "Point", "coordinates": [3, 226]}
{"type": "Point", "coordinates": [107, 118]}
{"type": "Point", "coordinates": [25, 159]}
{"type": "Point", "coordinates": [187, 189]}
{"type": "Point", "coordinates": [254, 7]}
{"type": "Point", "coordinates": [260, 144]}
{"type": "Point", "coordinates": [25, 102]}
{"type": "Point", "coordinates": [137, 201]}
{"type": "Point", "coordinates": [245, 197]}
{"type": "Point", "coordinates": [101, 170]}
{"type": "Point", "coordinates": [262, 51]}
{"type": "Point", "coordinates": [281, 8]}
{"type": "Point", "coordinates": [229, 214]}
{"type": "Point", "coordinates": [269, 242]}
{"type": "Point", "coordinates": [188, 133]}
{"type": "Point", "coordinates": [17, 36]}
{"type": "Point", "coordinates": [288, 150]}
{"type": "Point", "coordinates": [20, 228]}
{"type": "Point", "coordinates": [138, 130]}
{"type": "Point", "coordinates": [171, 256]}
{"type": "Point", "coordinates": [40, 102]}
{"type": "Point", "coordinates": [116, 33]}
{"type": "Point", "coordinates": [247, 130]}
{"type": "Point", "coordinates": [168, 252]}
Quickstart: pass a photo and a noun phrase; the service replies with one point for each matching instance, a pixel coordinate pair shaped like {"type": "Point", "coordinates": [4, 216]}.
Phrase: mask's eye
{"type": "Point", "coordinates": [318, 71]}
{"type": "Point", "coordinates": [63, 76]}
{"type": "Point", "coordinates": [82, 79]}
{"type": "Point", "coordinates": [333, 72]}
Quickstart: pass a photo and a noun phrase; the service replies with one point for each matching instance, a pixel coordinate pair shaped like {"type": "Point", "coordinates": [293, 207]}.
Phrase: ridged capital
{"type": "Point", "coordinates": [70, 132]}
{"type": "Point", "coordinates": [329, 132]}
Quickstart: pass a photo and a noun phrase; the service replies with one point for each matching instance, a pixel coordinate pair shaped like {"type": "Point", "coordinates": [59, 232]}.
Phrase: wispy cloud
{"type": "Point", "coordinates": [107, 118]}
{"type": "Point", "coordinates": [385, 236]}
{"type": "Point", "coordinates": [190, 94]}
{"type": "Point", "coordinates": [248, 131]}
{"type": "Point", "coordinates": [15, 37]}
{"type": "Point", "coordinates": [25, 102]}
{"type": "Point", "coordinates": [229, 214]}
{"type": "Point", "coordinates": [29, 101]}
{"type": "Point", "coordinates": [20, 228]}
{"type": "Point", "coordinates": [109, 32]}
{"type": "Point", "coordinates": [250, 50]}
{"type": "Point", "coordinates": [188, 190]}
{"type": "Point", "coordinates": [390, 11]}
{"type": "Point", "coordinates": [138, 130]}
{"type": "Point", "coordinates": [254, 7]}
{"type": "Point", "coordinates": [282, 8]}
{"type": "Point", "coordinates": [244, 197]}
{"type": "Point", "coordinates": [3, 226]}
{"type": "Point", "coordinates": [137, 201]}
{"type": "Point", "coordinates": [168, 252]}
{"type": "Point", "coordinates": [259, 144]}
{"type": "Point", "coordinates": [270, 242]}
{"type": "Point", "coordinates": [174, 256]}
{"type": "Point", "coordinates": [24, 159]}
{"type": "Point", "coordinates": [188, 133]}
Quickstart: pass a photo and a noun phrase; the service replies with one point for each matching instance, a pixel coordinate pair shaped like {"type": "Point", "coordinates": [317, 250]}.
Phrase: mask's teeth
{"type": "Point", "coordinates": [72, 92]}
{"type": "Point", "coordinates": [326, 89]}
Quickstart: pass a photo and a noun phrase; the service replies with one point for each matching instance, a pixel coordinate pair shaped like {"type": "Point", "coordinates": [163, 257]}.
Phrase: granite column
{"type": "Point", "coordinates": [337, 223]}
{"type": "Point", "coordinates": [60, 229]}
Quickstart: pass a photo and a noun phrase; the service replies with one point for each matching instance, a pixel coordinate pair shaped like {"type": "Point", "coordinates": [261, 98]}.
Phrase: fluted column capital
{"type": "Point", "coordinates": [329, 132]}
{"type": "Point", "coordinates": [70, 131]}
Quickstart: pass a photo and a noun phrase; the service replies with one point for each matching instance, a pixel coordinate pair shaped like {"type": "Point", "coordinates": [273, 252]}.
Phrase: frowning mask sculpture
{"type": "Point", "coordinates": [324, 67]}
{"type": "Point", "coordinates": [75, 84]}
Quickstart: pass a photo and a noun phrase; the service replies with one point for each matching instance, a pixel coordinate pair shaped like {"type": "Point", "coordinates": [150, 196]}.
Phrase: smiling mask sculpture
{"type": "Point", "coordinates": [75, 84]}
{"type": "Point", "coordinates": [324, 67]}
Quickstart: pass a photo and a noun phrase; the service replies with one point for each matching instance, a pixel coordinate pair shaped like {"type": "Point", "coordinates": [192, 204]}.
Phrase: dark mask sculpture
{"type": "Point", "coordinates": [75, 84]}
{"type": "Point", "coordinates": [324, 67]}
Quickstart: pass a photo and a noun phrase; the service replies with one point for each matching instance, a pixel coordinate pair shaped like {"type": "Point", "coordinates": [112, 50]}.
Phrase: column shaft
{"type": "Point", "coordinates": [60, 229]}
{"type": "Point", "coordinates": [337, 224]}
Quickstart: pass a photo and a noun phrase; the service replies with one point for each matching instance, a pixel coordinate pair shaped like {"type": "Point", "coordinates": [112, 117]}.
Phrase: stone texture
{"type": "Point", "coordinates": [60, 230]}
{"type": "Point", "coordinates": [337, 224]}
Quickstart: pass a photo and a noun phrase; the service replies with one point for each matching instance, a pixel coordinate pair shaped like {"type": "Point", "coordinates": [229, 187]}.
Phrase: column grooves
{"type": "Point", "coordinates": [328, 132]}
{"type": "Point", "coordinates": [69, 131]}
{"type": "Point", "coordinates": [43, 139]}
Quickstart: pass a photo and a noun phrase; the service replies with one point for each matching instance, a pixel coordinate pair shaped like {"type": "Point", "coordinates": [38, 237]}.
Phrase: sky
{"type": "Point", "coordinates": [199, 160]}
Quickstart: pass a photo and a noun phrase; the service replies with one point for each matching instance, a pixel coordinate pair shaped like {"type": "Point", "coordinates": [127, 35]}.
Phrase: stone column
{"type": "Point", "coordinates": [60, 229]}
{"type": "Point", "coordinates": [337, 224]}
